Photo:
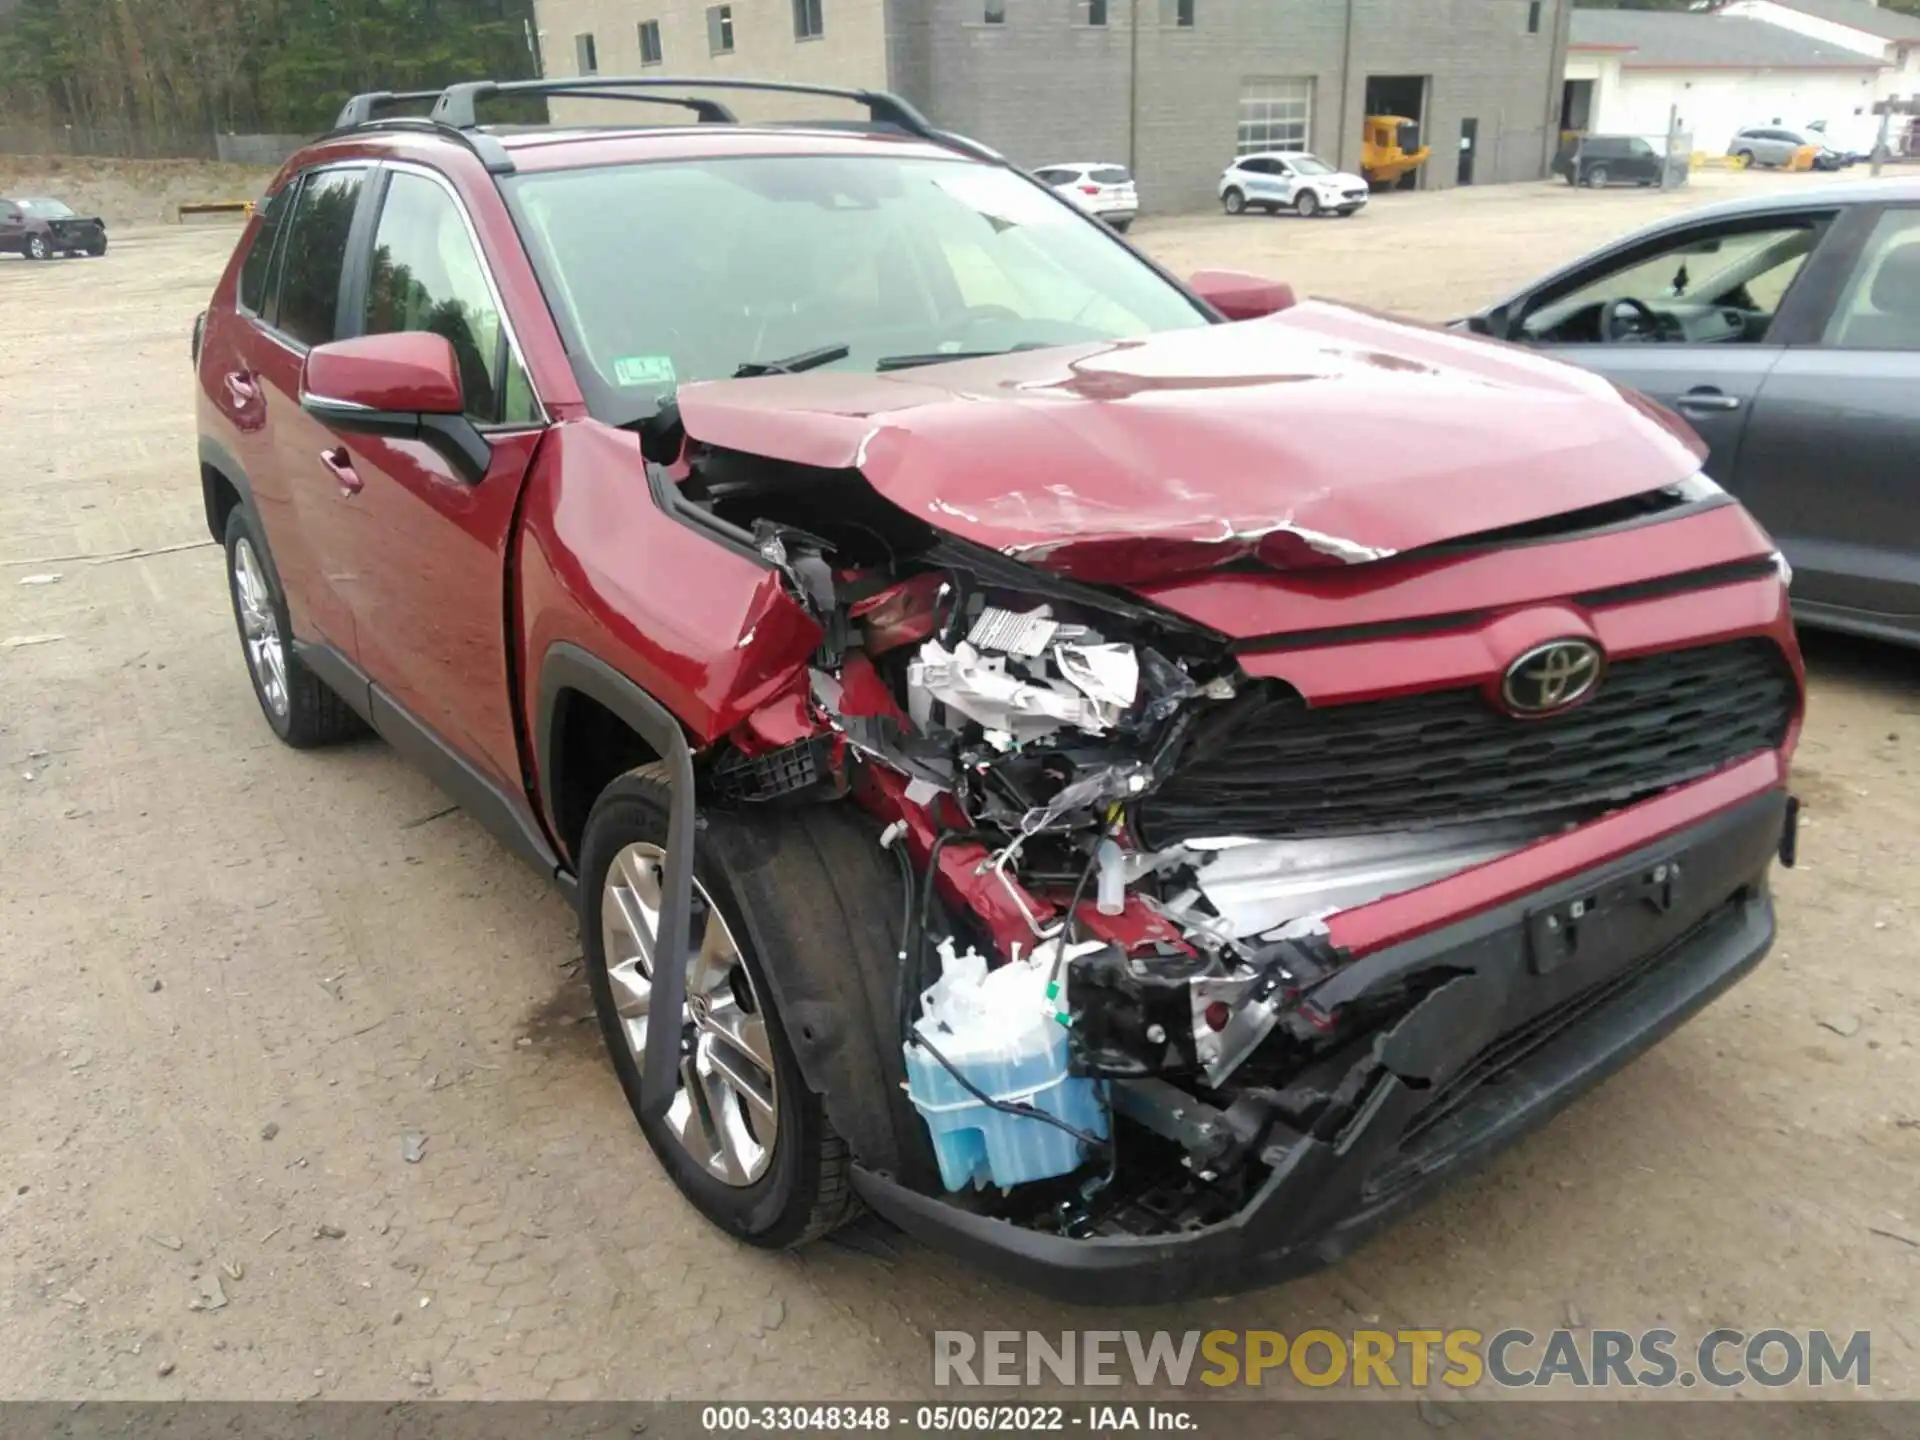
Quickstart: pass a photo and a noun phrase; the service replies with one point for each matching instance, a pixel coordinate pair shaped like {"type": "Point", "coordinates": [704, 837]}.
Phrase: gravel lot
{"type": "Point", "coordinates": [235, 977]}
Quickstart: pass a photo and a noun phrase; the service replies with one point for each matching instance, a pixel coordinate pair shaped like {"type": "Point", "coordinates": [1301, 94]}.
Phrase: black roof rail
{"type": "Point", "coordinates": [456, 104]}
{"type": "Point", "coordinates": [454, 108]}
{"type": "Point", "coordinates": [362, 109]}
{"type": "Point", "coordinates": [707, 112]}
{"type": "Point", "coordinates": [488, 149]}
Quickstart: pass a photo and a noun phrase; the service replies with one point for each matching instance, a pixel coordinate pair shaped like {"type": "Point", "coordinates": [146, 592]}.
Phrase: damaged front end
{"type": "Point", "coordinates": [1125, 1010]}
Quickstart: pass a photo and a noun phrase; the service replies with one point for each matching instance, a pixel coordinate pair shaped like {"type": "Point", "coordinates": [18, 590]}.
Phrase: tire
{"type": "Point", "coordinates": [1306, 205]}
{"type": "Point", "coordinates": [299, 707]}
{"type": "Point", "coordinates": [1745, 157]}
{"type": "Point", "coordinates": [752, 879]}
{"type": "Point", "coordinates": [98, 247]}
{"type": "Point", "coordinates": [1235, 200]}
{"type": "Point", "coordinates": [1597, 178]}
{"type": "Point", "coordinates": [37, 248]}
{"type": "Point", "coordinates": [1122, 226]}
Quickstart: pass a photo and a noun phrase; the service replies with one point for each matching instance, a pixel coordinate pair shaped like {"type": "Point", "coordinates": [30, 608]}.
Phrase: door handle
{"type": "Point", "coordinates": [1707, 399]}
{"type": "Point", "coordinates": [240, 388]}
{"type": "Point", "coordinates": [341, 464]}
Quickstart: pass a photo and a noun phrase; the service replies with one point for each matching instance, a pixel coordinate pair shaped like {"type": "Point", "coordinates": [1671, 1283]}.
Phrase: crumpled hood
{"type": "Point", "coordinates": [1323, 435]}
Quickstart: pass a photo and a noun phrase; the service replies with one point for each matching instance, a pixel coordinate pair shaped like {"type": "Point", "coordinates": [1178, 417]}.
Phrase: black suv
{"type": "Point", "coordinates": [1598, 160]}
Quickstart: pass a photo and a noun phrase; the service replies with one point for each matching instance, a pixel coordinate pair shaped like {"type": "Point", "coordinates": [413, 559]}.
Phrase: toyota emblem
{"type": "Point", "coordinates": [1552, 677]}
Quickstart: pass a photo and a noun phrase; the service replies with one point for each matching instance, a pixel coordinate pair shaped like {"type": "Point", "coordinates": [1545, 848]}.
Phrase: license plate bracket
{"type": "Point", "coordinates": [1561, 933]}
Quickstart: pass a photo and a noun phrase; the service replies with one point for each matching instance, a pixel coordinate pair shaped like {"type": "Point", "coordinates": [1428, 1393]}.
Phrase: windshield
{"type": "Point", "coordinates": [672, 272]}
{"type": "Point", "coordinates": [1311, 165]}
{"type": "Point", "coordinates": [47, 209]}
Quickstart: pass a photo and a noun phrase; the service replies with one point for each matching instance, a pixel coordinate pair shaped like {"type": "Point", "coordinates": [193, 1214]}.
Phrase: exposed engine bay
{"type": "Point", "coordinates": [1102, 1032]}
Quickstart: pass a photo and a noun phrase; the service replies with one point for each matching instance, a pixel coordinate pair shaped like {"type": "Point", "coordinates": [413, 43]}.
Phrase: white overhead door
{"type": "Point", "coordinates": [1276, 114]}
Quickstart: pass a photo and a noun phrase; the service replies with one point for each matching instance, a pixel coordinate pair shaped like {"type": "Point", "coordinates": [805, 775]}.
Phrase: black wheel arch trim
{"type": "Point", "coordinates": [566, 667]}
{"type": "Point", "coordinates": [215, 456]}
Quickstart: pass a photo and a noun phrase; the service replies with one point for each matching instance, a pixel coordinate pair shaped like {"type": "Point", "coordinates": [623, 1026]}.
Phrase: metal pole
{"type": "Point", "coordinates": [1133, 91]}
{"type": "Point", "coordinates": [1346, 92]}
{"type": "Point", "coordinates": [1880, 142]}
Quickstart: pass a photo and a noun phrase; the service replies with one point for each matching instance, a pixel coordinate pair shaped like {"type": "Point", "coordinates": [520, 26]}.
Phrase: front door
{"type": "Point", "coordinates": [427, 582]}
{"type": "Point", "coordinates": [1833, 451]}
{"type": "Point", "coordinates": [1687, 318]}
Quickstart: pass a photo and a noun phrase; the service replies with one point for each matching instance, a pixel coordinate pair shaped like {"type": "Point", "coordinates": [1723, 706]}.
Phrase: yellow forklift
{"type": "Point", "coordinates": [1390, 151]}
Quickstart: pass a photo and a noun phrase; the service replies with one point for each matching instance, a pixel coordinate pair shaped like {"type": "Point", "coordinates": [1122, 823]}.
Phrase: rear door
{"type": "Point", "coordinates": [423, 550]}
{"type": "Point", "coordinates": [1712, 374]}
{"type": "Point", "coordinates": [1832, 462]}
{"type": "Point", "coordinates": [13, 227]}
{"type": "Point", "coordinates": [305, 313]}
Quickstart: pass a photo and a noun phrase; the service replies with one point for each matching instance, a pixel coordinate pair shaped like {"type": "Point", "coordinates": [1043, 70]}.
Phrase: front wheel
{"type": "Point", "coordinates": [37, 248]}
{"type": "Point", "coordinates": [1235, 200]}
{"type": "Point", "coordinates": [1306, 204]}
{"type": "Point", "coordinates": [745, 1139]}
{"type": "Point", "coordinates": [1745, 157]}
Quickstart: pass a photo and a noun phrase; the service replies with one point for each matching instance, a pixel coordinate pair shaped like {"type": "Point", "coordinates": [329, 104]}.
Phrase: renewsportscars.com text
{"type": "Point", "coordinates": [1511, 1358]}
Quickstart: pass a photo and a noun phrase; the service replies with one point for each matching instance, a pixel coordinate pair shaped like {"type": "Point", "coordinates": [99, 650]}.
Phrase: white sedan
{"type": "Point", "coordinates": [1290, 180]}
{"type": "Point", "coordinates": [1102, 190]}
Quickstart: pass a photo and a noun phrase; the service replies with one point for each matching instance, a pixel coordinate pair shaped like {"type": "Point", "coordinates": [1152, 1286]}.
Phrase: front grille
{"type": "Point", "coordinates": [1269, 766]}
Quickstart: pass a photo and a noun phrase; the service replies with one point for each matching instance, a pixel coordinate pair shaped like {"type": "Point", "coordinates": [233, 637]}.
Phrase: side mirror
{"type": "Point", "coordinates": [1498, 322]}
{"type": "Point", "coordinates": [1240, 296]}
{"type": "Point", "coordinates": [404, 386]}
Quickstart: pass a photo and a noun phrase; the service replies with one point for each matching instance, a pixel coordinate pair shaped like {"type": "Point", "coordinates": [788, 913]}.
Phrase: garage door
{"type": "Point", "coordinates": [1276, 114]}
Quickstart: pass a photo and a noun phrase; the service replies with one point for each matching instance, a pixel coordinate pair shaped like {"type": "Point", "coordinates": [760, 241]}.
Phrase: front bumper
{"type": "Point", "coordinates": [1551, 993]}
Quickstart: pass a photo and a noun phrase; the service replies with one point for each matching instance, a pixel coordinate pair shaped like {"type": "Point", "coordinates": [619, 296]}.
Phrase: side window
{"type": "Point", "coordinates": [1257, 166]}
{"type": "Point", "coordinates": [1880, 308]}
{"type": "Point", "coordinates": [1052, 177]}
{"type": "Point", "coordinates": [1747, 270]}
{"type": "Point", "coordinates": [428, 276]}
{"type": "Point", "coordinates": [316, 254]}
{"type": "Point", "coordinates": [255, 272]}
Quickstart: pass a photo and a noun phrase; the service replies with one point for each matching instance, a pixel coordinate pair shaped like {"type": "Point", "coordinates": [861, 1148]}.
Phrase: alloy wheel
{"type": "Point", "coordinates": [726, 1112]}
{"type": "Point", "coordinates": [260, 628]}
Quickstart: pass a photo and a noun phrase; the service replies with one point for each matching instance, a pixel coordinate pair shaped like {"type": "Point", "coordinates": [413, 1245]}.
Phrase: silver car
{"type": "Point", "coordinates": [1768, 145]}
{"type": "Point", "coordinates": [1786, 329]}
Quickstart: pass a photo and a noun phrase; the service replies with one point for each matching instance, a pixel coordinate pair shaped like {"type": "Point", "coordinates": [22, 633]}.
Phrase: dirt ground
{"type": "Point", "coordinates": [234, 978]}
{"type": "Point", "coordinates": [131, 192]}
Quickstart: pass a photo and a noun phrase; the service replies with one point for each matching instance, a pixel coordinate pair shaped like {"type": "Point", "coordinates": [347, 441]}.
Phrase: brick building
{"type": "Point", "coordinates": [1173, 87]}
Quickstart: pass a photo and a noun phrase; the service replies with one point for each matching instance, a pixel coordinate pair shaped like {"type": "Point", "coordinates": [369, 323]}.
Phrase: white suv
{"type": "Point", "coordinates": [1102, 190]}
{"type": "Point", "coordinates": [1290, 180]}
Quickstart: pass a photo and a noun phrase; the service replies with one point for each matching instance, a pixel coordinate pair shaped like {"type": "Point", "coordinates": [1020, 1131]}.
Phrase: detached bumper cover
{"type": "Point", "coordinates": [1550, 994]}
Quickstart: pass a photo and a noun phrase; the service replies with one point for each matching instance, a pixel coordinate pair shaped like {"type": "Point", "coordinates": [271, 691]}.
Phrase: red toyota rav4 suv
{"type": "Point", "coordinates": [1134, 782]}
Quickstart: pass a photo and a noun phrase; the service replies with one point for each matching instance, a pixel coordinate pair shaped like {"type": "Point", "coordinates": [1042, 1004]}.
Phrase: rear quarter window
{"type": "Point", "coordinates": [256, 270]}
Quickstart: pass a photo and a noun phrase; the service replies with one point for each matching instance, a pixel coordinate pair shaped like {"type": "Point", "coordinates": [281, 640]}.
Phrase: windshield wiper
{"type": "Point", "coordinates": [940, 357]}
{"type": "Point", "coordinates": [794, 364]}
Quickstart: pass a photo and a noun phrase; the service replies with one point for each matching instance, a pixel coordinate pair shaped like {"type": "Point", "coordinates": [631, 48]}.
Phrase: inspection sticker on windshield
{"type": "Point", "coordinates": [643, 370]}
